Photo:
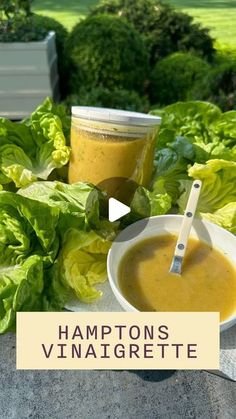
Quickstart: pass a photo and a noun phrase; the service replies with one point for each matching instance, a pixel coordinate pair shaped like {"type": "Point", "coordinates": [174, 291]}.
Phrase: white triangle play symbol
{"type": "Point", "coordinates": [116, 209]}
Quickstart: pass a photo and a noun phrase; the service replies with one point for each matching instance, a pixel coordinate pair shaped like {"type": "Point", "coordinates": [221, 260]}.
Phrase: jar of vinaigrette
{"type": "Point", "coordinates": [112, 145]}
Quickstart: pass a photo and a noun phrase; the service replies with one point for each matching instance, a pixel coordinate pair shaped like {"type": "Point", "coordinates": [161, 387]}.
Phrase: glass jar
{"type": "Point", "coordinates": [112, 145]}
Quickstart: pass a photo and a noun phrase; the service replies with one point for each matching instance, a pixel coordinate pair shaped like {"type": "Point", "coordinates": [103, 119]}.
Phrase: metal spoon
{"type": "Point", "coordinates": [176, 265]}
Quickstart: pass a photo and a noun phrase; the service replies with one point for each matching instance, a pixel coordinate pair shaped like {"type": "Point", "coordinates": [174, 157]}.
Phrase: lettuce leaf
{"type": "Point", "coordinates": [82, 262]}
{"type": "Point", "coordinates": [225, 128]}
{"type": "Point", "coordinates": [211, 132]}
{"type": "Point", "coordinates": [47, 129]}
{"type": "Point", "coordinates": [79, 203]}
{"type": "Point", "coordinates": [26, 227]}
{"type": "Point", "coordinates": [29, 245]}
{"type": "Point", "coordinates": [193, 120]}
{"type": "Point", "coordinates": [69, 198]}
{"type": "Point", "coordinates": [146, 203]}
{"type": "Point", "coordinates": [16, 166]}
{"type": "Point", "coordinates": [20, 290]}
{"type": "Point", "coordinates": [171, 166]}
{"type": "Point", "coordinates": [32, 149]}
{"type": "Point", "coordinates": [42, 258]}
{"type": "Point", "coordinates": [218, 194]}
{"type": "Point", "coordinates": [17, 134]}
{"type": "Point", "coordinates": [48, 107]}
{"type": "Point", "coordinates": [225, 217]}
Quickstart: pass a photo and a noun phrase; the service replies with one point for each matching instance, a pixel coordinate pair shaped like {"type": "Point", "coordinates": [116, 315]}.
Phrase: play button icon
{"type": "Point", "coordinates": [117, 209]}
{"type": "Point", "coordinates": [114, 204]}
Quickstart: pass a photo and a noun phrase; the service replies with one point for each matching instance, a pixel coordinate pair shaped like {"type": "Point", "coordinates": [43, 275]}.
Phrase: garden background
{"type": "Point", "coordinates": [138, 55]}
{"type": "Point", "coordinates": [218, 15]}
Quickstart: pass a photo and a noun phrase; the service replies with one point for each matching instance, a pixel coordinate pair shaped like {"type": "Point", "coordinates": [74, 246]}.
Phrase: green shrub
{"type": "Point", "coordinates": [174, 77]}
{"type": "Point", "coordinates": [11, 13]}
{"type": "Point", "coordinates": [21, 30]}
{"type": "Point", "coordinates": [103, 97]}
{"type": "Point", "coordinates": [16, 24]}
{"type": "Point", "coordinates": [164, 29]}
{"type": "Point", "coordinates": [224, 54]}
{"type": "Point", "coordinates": [107, 50]}
{"type": "Point", "coordinates": [219, 86]}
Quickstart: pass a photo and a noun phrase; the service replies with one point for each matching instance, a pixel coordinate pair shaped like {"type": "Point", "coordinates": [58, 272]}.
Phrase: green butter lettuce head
{"type": "Point", "coordinates": [225, 217]}
{"type": "Point", "coordinates": [17, 134]}
{"type": "Point", "coordinates": [82, 263]}
{"type": "Point", "coordinates": [211, 132]}
{"type": "Point", "coordinates": [16, 166]}
{"type": "Point", "coordinates": [21, 287]}
{"type": "Point", "coordinates": [29, 245]}
{"type": "Point", "coordinates": [26, 228]}
{"type": "Point", "coordinates": [48, 107]}
{"type": "Point", "coordinates": [214, 150]}
{"type": "Point", "coordinates": [79, 203]}
{"type": "Point", "coordinates": [147, 203]}
{"type": "Point", "coordinates": [225, 128]}
{"type": "Point", "coordinates": [17, 148]}
{"type": "Point", "coordinates": [32, 149]}
{"type": "Point", "coordinates": [218, 194]}
{"type": "Point", "coordinates": [42, 258]}
{"type": "Point", "coordinates": [171, 166]}
{"type": "Point", "coordinates": [47, 130]}
{"type": "Point", "coordinates": [193, 120]}
{"type": "Point", "coordinates": [55, 293]}
{"type": "Point", "coordinates": [69, 198]}
{"type": "Point", "coordinates": [224, 139]}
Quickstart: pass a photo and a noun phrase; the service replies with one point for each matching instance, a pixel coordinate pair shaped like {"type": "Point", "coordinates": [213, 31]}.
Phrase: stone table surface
{"type": "Point", "coordinates": [110, 394]}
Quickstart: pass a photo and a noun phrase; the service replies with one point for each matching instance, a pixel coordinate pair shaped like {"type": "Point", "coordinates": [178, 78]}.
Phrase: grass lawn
{"type": "Point", "coordinates": [218, 15]}
{"type": "Point", "coordinates": [67, 12]}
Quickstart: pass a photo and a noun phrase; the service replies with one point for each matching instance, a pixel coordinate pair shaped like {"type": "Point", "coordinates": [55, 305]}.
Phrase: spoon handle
{"type": "Point", "coordinates": [188, 219]}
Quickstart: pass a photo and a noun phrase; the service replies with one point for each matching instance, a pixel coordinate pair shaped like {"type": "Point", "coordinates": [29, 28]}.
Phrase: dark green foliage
{"type": "Point", "coordinates": [164, 29]}
{"type": "Point", "coordinates": [15, 14]}
{"type": "Point", "coordinates": [219, 85]}
{"type": "Point", "coordinates": [21, 30]}
{"type": "Point", "coordinates": [103, 97]}
{"type": "Point", "coordinates": [106, 50]}
{"type": "Point", "coordinates": [10, 9]}
{"type": "Point", "coordinates": [174, 77]}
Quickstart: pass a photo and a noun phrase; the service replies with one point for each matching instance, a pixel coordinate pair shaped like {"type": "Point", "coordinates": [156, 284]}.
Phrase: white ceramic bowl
{"type": "Point", "coordinates": [208, 232]}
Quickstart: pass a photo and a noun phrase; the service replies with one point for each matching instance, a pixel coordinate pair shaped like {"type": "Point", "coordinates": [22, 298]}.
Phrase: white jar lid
{"type": "Point", "coordinates": [115, 116]}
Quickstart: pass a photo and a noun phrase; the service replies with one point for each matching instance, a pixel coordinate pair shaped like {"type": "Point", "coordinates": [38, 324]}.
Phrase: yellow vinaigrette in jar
{"type": "Point", "coordinates": [113, 145]}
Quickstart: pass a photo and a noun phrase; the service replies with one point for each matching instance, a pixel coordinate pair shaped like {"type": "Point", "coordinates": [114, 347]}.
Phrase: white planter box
{"type": "Point", "coordinates": [28, 74]}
